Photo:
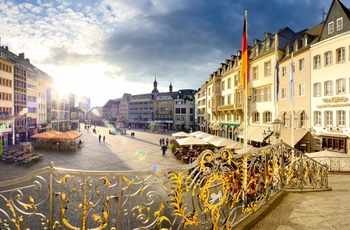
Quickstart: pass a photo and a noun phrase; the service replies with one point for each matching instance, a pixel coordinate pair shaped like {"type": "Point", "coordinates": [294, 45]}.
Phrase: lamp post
{"type": "Point", "coordinates": [267, 134]}
{"type": "Point", "coordinates": [277, 126]}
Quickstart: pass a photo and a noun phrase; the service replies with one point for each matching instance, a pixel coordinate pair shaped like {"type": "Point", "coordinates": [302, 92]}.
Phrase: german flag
{"type": "Point", "coordinates": [245, 58]}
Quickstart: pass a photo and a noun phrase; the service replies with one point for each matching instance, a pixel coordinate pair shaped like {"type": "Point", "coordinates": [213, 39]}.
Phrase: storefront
{"type": "Point", "coordinates": [334, 142]}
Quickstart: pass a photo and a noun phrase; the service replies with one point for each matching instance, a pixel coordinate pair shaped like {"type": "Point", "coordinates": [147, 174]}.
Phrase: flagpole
{"type": "Point", "coordinates": [292, 99]}
{"type": "Point", "coordinates": [276, 76]}
{"type": "Point", "coordinates": [245, 98]}
{"type": "Point", "coordinates": [245, 68]}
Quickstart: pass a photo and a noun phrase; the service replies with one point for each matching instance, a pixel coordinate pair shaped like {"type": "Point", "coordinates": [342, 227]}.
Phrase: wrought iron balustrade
{"type": "Point", "coordinates": [217, 191]}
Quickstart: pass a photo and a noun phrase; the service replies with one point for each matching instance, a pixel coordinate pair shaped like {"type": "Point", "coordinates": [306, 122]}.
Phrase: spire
{"type": "Point", "coordinates": [170, 87]}
{"type": "Point", "coordinates": [155, 83]}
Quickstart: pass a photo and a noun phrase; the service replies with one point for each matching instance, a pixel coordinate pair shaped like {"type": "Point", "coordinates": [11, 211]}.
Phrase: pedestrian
{"type": "Point", "coordinates": [104, 138]}
{"type": "Point", "coordinates": [163, 148]}
{"type": "Point", "coordinates": [99, 138]}
{"type": "Point", "coordinates": [163, 141]}
{"type": "Point", "coordinates": [160, 142]}
{"type": "Point", "coordinates": [167, 142]}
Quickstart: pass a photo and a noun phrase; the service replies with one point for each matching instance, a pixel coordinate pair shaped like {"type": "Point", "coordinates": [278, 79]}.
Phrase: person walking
{"type": "Point", "coordinates": [164, 148]}
{"type": "Point", "coordinates": [167, 142]}
{"type": "Point", "coordinates": [160, 142]}
{"type": "Point", "coordinates": [104, 138]}
{"type": "Point", "coordinates": [99, 138]}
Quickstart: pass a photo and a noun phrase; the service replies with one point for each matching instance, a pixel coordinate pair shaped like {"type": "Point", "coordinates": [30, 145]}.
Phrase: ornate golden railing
{"type": "Point", "coordinates": [217, 191]}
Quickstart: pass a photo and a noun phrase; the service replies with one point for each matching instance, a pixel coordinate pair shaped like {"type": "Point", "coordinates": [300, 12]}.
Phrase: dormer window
{"type": "Point", "coordinates": [330, 27]}
{"type": "Point", "coordinates": [287, 51]}
{"type": "Point", "coordinates": [305, 41]}
{"type": "Point", "coordinates": [267, 44]}
{"type": "Point", "coordinates": [295, 46]}
{"type": "Point", "coordinates": [339, 24]}
{"type": "Point", "coordinates": [256, 51]}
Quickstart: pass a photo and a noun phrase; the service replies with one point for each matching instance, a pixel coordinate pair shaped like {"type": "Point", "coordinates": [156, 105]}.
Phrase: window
{"type": "Point", "coordinates": [328, 58]}
{"type": "Point", "coordinates": [229, 83]}
{"type": "Point", "coordinates": [255, 95]}
{"type": "Point", "coordinates": [284, 71]}
{"type": "Point", "coordinates": [223, 85]}
{"type": "Point", "coordinates": [328, 88]}
{"type": "Point", "coordinates": [340, 55]}
{"type": "Point", "coordinates": [305, 41]}
{"type": "Point", "coordinates": [317, 62]}
{"type": "Point", "coordinates": [341, 118]}
{"type": "Point", "coordinates": [301, 64]}
{"type": "Point", "coordinates": [256, 117]}
{"type": "Point", "coordinates": [317, 89]}
{"type": "Point", "coordinates": [284, 93]}
{"type": "Point", "coordinates": [268, 94]}
{"type": "Point", "coordinates": [302, 90]}
{"type": "Point", "coordinates": [256, 51]}
{"type": "Point", "coordinates": [261, 93]}
{"type": "Point", "coordinates": [330, 27]}
{"type": "Point", "coordinates": [237, 81]}
{"type": "Point", "coordinates": [339, 24]}
{"type": "Point", "coordinates": [229, 99]}
{"type": "Point", "coordinates": [267, 117]}
{"type": "Point", "coordinates": [296, 46]}
{"type": "Point", "coordinates": [340, 86]}
{"type": "Point", "coordinates": [267, 69]}
{"type": "Point", "coordinates": [302, 120]}
{"type": "Point", "coordinates": [317, 118]}
{"type": "Point", "coordinates": [328, 118]}
{"type": "Point", "coordinates": [267, 44]}
{"type": "Point", "coordinates": [255, 73]}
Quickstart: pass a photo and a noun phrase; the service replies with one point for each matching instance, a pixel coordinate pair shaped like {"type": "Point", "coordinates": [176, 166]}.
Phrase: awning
{"type": "Point", "coordinates": [298, 135]}
{"type": "Point", "coordinates": [339, 135]}
{"type": "Point", "coordinates": [229, 124]}
{"type": "Point", "coordinates": [255, 133]}
{"type": "Point", "coordinates": [280, 115]}
{"type": "Point", "coordinates": [299, 112]}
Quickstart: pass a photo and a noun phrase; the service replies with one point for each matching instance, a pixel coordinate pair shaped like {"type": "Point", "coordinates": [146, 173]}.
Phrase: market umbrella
{"type": "Point", "coordinates": [68, 136]}
{"type": "Point", "coordinates": [46, 135]}
{"type": "Point", "coordinates": [191, 141]}
{"type": "Point", "coordinates": [196, 133]}
{"type": "Point", "coordinates": [202, 135]}
{"type": "Point", "coordinates": [235, 145]}
{"type": "Point", "coordinates": [211, 138]}
{"type": "Point", "coordinates": [181, 134]}
{"type": "Point", "coordinates": [222, 142]}
{"type": "Point", "coordinates": [249, 149]}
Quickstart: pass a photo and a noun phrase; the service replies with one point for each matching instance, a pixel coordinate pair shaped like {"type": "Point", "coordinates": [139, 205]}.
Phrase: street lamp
{"type": "Point", "coordinates": [277, 126]}
{"type": "Point", "coordinates": [267, 134]}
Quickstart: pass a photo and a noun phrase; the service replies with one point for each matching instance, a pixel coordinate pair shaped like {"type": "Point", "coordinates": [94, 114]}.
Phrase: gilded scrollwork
{"type": "Point", "coordinates": [215, 192]}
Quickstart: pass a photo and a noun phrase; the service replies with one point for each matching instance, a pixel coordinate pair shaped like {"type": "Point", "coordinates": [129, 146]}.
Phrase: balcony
{"type": "Point", "coordinates": [218, 189]}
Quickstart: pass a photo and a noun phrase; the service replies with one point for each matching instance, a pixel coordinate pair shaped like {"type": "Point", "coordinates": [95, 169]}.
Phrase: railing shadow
{"type": "Point", "coordinates": [217, 191]}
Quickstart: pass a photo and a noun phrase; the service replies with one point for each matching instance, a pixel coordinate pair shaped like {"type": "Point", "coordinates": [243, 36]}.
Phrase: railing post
{"type": "Point", "coordinates": [120, 202]}
{"type": "Point", "coordinates": [51, 195]}
{"type": "Point", "coordinates": [301, 173]}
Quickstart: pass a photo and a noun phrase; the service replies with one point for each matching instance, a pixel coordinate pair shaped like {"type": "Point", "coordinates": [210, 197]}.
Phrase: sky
{"type": "Point", "coordinates": [105, 48]}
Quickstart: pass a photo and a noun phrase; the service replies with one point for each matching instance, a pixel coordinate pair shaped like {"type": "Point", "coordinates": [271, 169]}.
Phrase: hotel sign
{"type": "Point", "coordinates": [334, 102]}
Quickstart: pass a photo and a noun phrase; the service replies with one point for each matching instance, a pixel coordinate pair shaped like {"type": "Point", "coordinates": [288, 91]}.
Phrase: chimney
{"type": "Point", "coordinates": [21, 56]}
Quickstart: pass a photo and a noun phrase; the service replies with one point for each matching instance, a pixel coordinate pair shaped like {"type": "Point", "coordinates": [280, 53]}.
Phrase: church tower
{"type": "Point", "coordinates": [170, 87]}
{"type": "Point", "coordinates": [155, 84]}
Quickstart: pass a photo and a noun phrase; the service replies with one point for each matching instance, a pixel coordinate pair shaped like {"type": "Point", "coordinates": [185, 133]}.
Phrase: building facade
{"type": "Point", "coordinates": [314, 62]}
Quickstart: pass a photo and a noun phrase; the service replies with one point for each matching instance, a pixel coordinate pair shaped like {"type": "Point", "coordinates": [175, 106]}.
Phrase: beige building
{"type": "Point", "coordinates": [330, 79]}
{"type": "Point", "coordinates": [316, 117]}
{"type": "Point", "coordinates": [6, 99]}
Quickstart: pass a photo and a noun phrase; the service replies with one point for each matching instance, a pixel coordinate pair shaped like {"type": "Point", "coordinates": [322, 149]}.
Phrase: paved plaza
{"type": "Point", "coordinates": [117, 153]}
{"type": "Point", "coordinates": [301, 211]}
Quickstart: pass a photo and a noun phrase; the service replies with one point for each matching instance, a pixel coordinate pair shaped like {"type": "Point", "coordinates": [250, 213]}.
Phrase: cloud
{"type": "Point", "coordinates": [134, 41]}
